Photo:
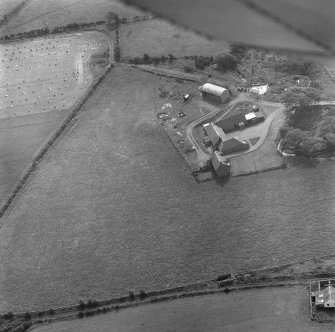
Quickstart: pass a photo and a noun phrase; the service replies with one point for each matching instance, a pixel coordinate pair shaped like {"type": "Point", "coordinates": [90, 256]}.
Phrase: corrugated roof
{"type": "Point", "coordinates": [213, 89]}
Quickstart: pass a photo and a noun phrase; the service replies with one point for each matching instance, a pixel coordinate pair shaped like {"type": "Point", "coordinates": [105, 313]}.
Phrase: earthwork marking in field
{"type": "Point", "coordinates": [46, 74]}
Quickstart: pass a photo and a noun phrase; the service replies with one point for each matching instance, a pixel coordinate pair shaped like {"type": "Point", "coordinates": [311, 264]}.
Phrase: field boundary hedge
{"type": "Point", "coordinates": [74, 111]}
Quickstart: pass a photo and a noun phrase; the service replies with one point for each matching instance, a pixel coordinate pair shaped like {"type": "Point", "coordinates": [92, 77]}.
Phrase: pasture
{"type": "Point", "coordinates": [46, 74]}
{"type": "Point", "coordinates": [42, 13]}
{"type": "Point", "coordinates": [157, 37]}
{"type": "Point", "coordinates": [6, 6]}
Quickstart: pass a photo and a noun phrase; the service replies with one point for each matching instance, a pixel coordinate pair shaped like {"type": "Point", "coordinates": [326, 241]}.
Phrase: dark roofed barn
{"type": "Point", "coordinates": [231, 123]}
{"type": "Point", "coordinates": [232, 145]}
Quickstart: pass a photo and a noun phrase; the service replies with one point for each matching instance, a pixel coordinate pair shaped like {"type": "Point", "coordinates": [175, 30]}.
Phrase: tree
{"type": "Point", "coordinates": [112, 20]}
{"type": "Point", "coordinates": [226, 62]}
{"type": "Point", "coordinates": [283, 131]}
{"type": "Point", "coordinates": [146, 58]}
{"type": "Point", "coordinates": [330, 140]}
{"type": "Point", "coordinates": [238, 50]}
{"type": "Point", "coordinates": [300, 96]}
{"type": "Point", "coordinates": [293, 139]}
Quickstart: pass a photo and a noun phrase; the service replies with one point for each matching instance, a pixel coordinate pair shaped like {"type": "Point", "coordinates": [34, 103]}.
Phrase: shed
{"type": "Point", "coordinates": [251, 117]}
{"type": "Point", "coordinates": [214, 132]}
{"type": "Point", "coordinates": [220, 164]}
{"type": "Point", "coordinates": [218, 92]}
{"type": "Point", "coordinates": [260, 116]}
{"type": "Point", "coordinates": [232, 145]}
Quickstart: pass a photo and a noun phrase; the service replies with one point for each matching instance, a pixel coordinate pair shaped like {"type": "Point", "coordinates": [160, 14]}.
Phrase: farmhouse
{"type": "Point", "coordinates": [324, 298]}
{"type": "Point", "coordinates": [214, 92]}
{"type": "Point", "coordinates": [220, 164]}
{"type": "Point", "coordinates": [214, 132]}
{"type": "Point", "coordinates": [232, 145]}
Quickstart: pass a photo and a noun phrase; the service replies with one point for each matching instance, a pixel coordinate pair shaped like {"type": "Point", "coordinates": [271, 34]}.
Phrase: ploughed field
{"type": "Point", "coordinates": [110, 209]}
{"type": "Point", "coordinates": [46, 74]}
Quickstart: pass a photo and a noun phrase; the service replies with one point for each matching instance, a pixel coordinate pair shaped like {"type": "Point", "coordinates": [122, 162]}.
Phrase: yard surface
{"type": "Point", "coordinates": [157, 37]}
{"type": "Point", "coordinates": [49, 13]}
{"type": "Point", "coordinates": [46, 74]}
{"type": "Point", "coordinates": [268, 309]}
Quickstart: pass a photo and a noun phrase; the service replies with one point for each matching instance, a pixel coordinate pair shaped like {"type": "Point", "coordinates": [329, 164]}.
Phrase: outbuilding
{"type": "Point", "coordinates": [215, 92]}
{"type": "Point", "coordinates": [231, 123]}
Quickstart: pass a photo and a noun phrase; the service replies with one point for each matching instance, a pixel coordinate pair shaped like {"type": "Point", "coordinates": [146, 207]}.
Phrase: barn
{"type": "Point", "coordinates": [233, 122]}
{"type": "Point", "coordinates": [214, 132]}
{"type": "Point", "coordinates": [232, 145]}
{"type": "Point", "coordinates": [214, 92]}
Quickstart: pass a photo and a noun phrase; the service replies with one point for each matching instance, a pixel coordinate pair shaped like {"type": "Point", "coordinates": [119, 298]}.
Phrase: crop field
{"type": "Point", "coordinates": [49, 13]}
{"type": "Point", "coordinates": [157, 37]}
{"type": "Point", "coordinates": [46, 74]}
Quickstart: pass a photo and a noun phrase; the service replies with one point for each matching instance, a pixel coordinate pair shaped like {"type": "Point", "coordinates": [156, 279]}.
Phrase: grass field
{"type": "Point", "coordinates": [6, 6]}
{"type": "Point", "coordinates": [46, 74]}
{"type": "Point", "coordinates": [157, 37]}
{"type": "Point", "coordinates": [49, 13]}
{"type": "Point", "coordinates": [262, 310]}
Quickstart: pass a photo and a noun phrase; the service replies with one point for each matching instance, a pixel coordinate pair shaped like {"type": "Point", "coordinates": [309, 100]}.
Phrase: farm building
{"type": "Point", "coordinates": [232, 145]}
{"type": "Point", "coordinates": [214, 132]}
{"type": "Point", "coordinates": [324, 298]}
{"type": "Point", "coordinates": [214, 92]}
{"type": "Point", "coordinates": [220, 164]}
{"type": "Point", "coordinates": [240, 121]}
{"type": "Point", "coordinates": [231, 123]}
{"type": "Point", "coordinates": [260, 89]}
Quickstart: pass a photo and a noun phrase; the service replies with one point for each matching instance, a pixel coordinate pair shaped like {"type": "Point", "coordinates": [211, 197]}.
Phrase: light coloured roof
{"type": "Point", "coordinates": [213, 89]}
{"type": "Point", "coordinates": [250, 116]}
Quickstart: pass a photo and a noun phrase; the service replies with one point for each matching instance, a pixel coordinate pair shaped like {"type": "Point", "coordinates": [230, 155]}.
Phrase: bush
{"type": "Point", "coordinates": [146, 58]}
{"type": "Point", "coordinates": [283, 131]}
{"type": "Point", "coordinates": [9, 315]}
{"type": "Point", "coordinates": [131, 296]}
{"type": "Point", "coordinates": [143, 294]}
{"type": "Point", "coordinates": [81, 305]}
{"type": "Point", "coordinates": [294, 139]}
{"type": "Point", "coordinates": [202, 62]}
{"type": "Point", "coordinates": [226, 62]}
{"type": "Point", "coordinates": [81, 314]}
{"type": "Point", "coordinates": [188, 69]}
{"type": "Point", "coordinates": [51, 311]}
{"type": "Point", "coordinates": [27, 315]}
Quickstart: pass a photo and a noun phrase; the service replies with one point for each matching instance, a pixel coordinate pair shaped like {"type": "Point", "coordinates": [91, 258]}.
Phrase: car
{"type": "Point", "coordinates": [181, 114]}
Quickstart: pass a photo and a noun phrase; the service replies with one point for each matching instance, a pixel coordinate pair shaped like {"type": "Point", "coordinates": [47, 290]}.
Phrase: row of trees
{"type": "Point", "coordinates": [46, 31]}
{"type": "Point", "coordinates": [147, 60]}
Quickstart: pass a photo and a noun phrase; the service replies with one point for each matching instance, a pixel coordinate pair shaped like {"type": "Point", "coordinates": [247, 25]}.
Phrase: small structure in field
{"type": "Point", "coordinates": [186, 97]}
{"type": "Point", "coordinates": [214, 92]}
{"type": "Point", "coordinates": [220, 164]}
